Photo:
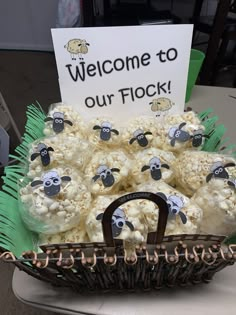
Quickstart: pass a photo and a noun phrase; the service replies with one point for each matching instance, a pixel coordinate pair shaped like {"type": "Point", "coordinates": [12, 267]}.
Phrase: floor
{"type": "Point", "coordinates": [27, 77]}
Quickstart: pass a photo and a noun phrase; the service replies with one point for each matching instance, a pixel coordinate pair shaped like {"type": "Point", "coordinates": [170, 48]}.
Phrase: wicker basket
{"type": "Point", "coordinates": [161, 261]}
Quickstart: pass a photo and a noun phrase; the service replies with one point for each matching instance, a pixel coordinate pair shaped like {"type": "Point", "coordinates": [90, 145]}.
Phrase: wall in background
{"type": "Point", "coordinates": [26, 24]}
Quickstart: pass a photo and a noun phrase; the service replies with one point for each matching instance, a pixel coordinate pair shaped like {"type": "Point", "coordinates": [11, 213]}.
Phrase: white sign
{"type": "Point", "coordinates": [123, 71]}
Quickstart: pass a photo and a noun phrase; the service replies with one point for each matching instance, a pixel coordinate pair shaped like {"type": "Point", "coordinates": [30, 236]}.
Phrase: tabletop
{"type": "Point", "coordinates": [217, 297]}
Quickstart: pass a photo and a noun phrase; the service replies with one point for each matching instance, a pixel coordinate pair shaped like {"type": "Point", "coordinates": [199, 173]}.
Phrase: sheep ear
{"type": "Point", "coordinates": [115, 131]}
{"type": "Point", "coordinates": [34, 156]}
{"type": "Point", "coordinates": [96, 127]}
{"type": "Point", "coordinates": [115, 169]}
{"type": "Point", "coordinates": [88, 44]}
{"type": "Point", "coordinates": [229, 164]}
{"type": "Point", "coordinates": [144, 168]}
{"type": "Point", "coordinates": [165, 166]}
{"type": "Point", "coordinates": [183, 217]}
{"type": "Point", "coordinates": [172, 142]}
{"type": "Point", "coordinates": [131, 141]}
{"type": "Point", "coordinates": [99, 216]}
{"type": "Point", "coordinates": [36, 183]}
{"type": "Point", "coordinates": [206, 136]}
{"type": "Point", "coordinates": [182, 125]}
{"type": "Point", "coordinates": [96, 177]}
{"type": "Point", "coordinates": [68, 122]}
{"type": "Point", "coordinates": [147, 133]}
{"type": "Point", "coordinates": [50, 149]}
{"type": "Point", "coordinates": [230, 183]}
{"type": "Point", "coordinates": [79, 44]}
{"type": "Point", "coordinates": [48, 119]}
{"type": "Point", "coordinates": [66, 178]}
{"type": "Point", "coordinates": [130, 225]}
{"type": "Point", "coordinates": [209, 177]}
{"type": "Point", "coordinates": [150, 103]}
{"type": "Point", "coordinates": [163, 196]}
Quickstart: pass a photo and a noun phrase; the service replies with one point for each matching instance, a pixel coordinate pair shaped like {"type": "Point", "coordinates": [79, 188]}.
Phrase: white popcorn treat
{"type": "Point", "coordinates": [103, 133]}
{"type": "Point", "coordinates": [178, 132]}
{"type": "Point", "coordinates": [138, 134]}
{"type": "Point", "coordinates": [54, 203]}
{"type": "Point", "coordinates": [56, 151]}
{"type": "Point", "coordinates": [193, 168]}
{"type": "Point", "coordinates": [218, 202]}
{"type": "Point", "coordinates": [74, 235]}
{"type": "Point", "coordinates": [127, 221]}
{"type": "Point", "coordinates": [106, 170]}
{"type": "Point", "coordinates": [153, 164]}
{"type": "Point", "coordinates": [184, 215]}
{"type": "Point", "coordinates": [64, 119]}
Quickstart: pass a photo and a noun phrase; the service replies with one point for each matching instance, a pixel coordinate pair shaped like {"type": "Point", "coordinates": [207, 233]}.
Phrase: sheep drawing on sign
{"type": "Point", "coordinates": [58, 122]}
{"type": "Point", "coordinates": [51, 183]}
{"type": "Point", "coordinates": [175, 204]}
{"type": "Point", "coordinates": [106, 130]}
{"type": "Point", "coordinates": [161, 105]}
{"type": "Point", "coordinates": [140, 137]}
{"type": "Point", "coordinates": [155, 168]}
{"type": "Point", "coordinates": [118, 221]}
{"type": "Point", "coordinates": [105, 174]}
{"type": "Point", "coordinates": [77, 47]}
{"type": "Point", "coordinates": [218, 170]}
{"type": "Point", "coordinates": [43, 152]}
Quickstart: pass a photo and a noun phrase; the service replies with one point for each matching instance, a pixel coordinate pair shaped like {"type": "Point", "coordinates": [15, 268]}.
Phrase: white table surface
{"type": "Point", "coordinates": [218, 297]}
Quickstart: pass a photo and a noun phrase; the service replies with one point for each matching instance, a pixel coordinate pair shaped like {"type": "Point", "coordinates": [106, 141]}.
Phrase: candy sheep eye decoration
{"type": "Point", "coordinates": [176, 134]}
{"type": "Point", "coordinates": [175, 204]}
{"type": "Point", "coordinates": [155, 168]}
{"type": "Point", "coordinates": [197, 137]}
{"type": "Point", "coordinates": [218, 170]}
{"type": "Point", "coordinates": [118, 221]}
{"type": "Point", "coordinates": [140, 136]}
{"type": "Point", "coordinates": [232, 182]}
{"type": "Point", "coordinates": [43, 152]}
{"type": "Point", "coordinates": [105, 174]}
{"type": "Point", "coordinates": [58, 122]}
{"type": "Point", "coordinates": [51, 182]}
{"type": "Point", "coordinates": [106, 130]}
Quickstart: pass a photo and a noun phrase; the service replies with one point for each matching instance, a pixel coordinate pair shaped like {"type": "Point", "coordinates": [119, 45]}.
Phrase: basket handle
{"type": "Point", "coordinates": [153, 237]}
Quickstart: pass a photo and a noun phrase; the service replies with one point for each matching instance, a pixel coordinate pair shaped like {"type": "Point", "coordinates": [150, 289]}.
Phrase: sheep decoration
{"type": "Point", "coordinates": [77, 47]}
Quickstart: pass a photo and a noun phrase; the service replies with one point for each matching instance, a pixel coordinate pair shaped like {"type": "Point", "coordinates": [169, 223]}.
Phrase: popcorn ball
{"type": "Point", "coordinates": [57, 151]}
{"type": "Point", "coordinates": [74, 235]}
{"type": "Point", "coordinates": [217, 199]}
{"type": "Point", "coordinates": [194, 168]}
{"type": "Point", "coordinates": [184, 215]}
{"type": "Point", "coordinates": [103, 133]}
{"type": "Point", "coordinates": [127, 221]}
{"type": "Point", "coordinates": [153, 164]}
{"type": "Point", "coordinates": [55, 202]}
{"type": "Point", "coordinates": [178, 132]}
{"type": "Point", "coordinates": [64, 119]}
{"type": "Point", "coordinates": [106, 170]}
{"type": "Point", "coordinates": [138, 134]}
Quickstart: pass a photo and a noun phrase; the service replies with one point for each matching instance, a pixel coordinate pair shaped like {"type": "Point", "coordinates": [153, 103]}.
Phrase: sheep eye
{"type": "Point", "coordinates": [177, 134]}
{"type": "Point", "coordinates": [175, 210]}
{"type": "Point", "coordinates": [44, 152]}
{"type": "Point", "coordinates": [103, 175]}
{"type": "Point", "coordinates": [120, 223]}
{"type": "Point", "coordinates": [55, 180]}
{"type": "Point", "coordinates": [48, 183]}
{"type": "Point", "coordinates": [108, 172]}
{"type": "Point", "coordinates": [217, 172]}
{"type": "Point", "coordinates": [221, 170]}
{"type": "Point", "coordinates": [169, 204]}
{"type": "Point", "coordinates": [60, 121]}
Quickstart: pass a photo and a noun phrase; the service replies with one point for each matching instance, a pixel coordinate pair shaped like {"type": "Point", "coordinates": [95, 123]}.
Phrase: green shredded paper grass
{"type": "Point", "coordinates": [14, 236]}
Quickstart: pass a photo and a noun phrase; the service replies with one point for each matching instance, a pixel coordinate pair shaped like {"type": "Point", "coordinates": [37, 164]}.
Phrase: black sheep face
{"type": "Point", "coordinates": [105, 174]}
{"type": "Point", "coordinates": [155, 168]}
{"type": "Point", "coordinates": [51, 182]}
{"type": "Point", "coordinates": [177, 134]}
{"type": "Point", "coordinates": [58, 122]}
{"type": "Point", "coordinates": [43, 152]}
{"type": "Point", "coordinates": [218, 170]}
{"type": "Point", "coordinates": [106, 130]}
{"type": "Point", "coordinates": [197, 138]}
{"type": "Point", "coordinates": [140, 137]}
{"type": "Point", "coordinates": [175, 204]}
{"type": "Point", "coordinates": [118, 222]}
